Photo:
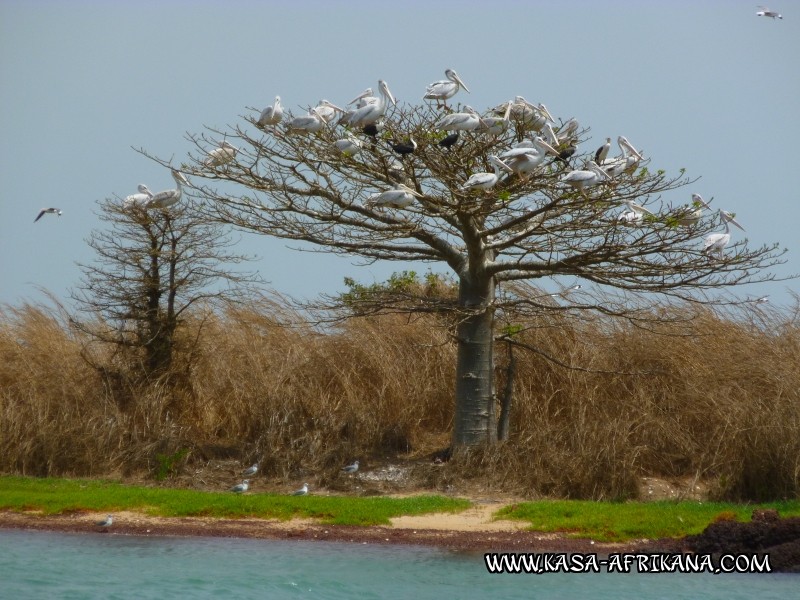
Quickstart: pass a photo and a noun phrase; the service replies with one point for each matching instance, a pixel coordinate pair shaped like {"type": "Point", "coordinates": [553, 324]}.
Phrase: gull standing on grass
{"type": "Point", "coordinates": [302, 491]}
{"type": "Point", "coordinates": [351, 468]}
{"type": "Point", "coordinates": [241, 487]}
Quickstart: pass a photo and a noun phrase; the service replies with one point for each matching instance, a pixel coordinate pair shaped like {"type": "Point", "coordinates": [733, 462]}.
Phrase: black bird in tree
{"type": "Point", "coordinates": [405, 148]}
{"type": "Point", "coordinates": [566, 153]}
{"type": "Point", "coordinates": [371, 130]}
{"type": "Point", "coordinates": [449, 141]}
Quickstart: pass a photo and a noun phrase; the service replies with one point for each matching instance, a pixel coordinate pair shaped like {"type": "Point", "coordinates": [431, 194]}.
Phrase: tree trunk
{"type": "Point", "coordinates": [474, 417]}
{"type": "Point", "coordinates": [508, 396]}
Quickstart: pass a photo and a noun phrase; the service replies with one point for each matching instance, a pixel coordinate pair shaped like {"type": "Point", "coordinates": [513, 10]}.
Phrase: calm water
{"type": "Point", "coordinates": [57, 565]}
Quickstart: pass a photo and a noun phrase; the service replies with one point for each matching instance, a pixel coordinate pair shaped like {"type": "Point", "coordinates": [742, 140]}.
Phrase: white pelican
{"type": "Point", "coordinates": [486, 181]}
{"type": "Point", "coordinates": [349, 145]}
{"type": "Point", "coordinates": [140, 199]}
{"type": "Point", "coordinates": [716, 242]}
{"type": "Point", "coordinates": [44, 211]}
{"type": "Point", "coordinates": [107, 522]}
{"type": "Point", "coordinates": [602, 152]}
{"type": "Point", "coordinates": [401, 196]}
{"type": "Point", "coordinates": [169, 197]}
{"type": "Point", "coordinates": [634, 215]}
{"type": "Point", "coordinates": [310, 123]}
{"type": "Point", "coordinates": [529, 114]}
{"type": "Point", "coordinates": [626, 162]}
{"type": "Point", "coordinates": [765, 12]}
{"type": "Point", "coordinates": [397, 171]}
{"type": "Point", "coordinates": [251, 470]}
{"type": "Point", "coordinates": [527, 155]}
{"type": "Point", "coordinates": [569, 129]}
{"type": "Point", "coordinates": [364, 98]}
{"type": "Point", "coordinates": [351, 468]}
{"type": "Point", "coordinates": [327, 110]}
{"type": "Point", "coordinates": [495, 125]}
{"type": "Point", "coordinates": [582, 178]}
{"type": "Point", "coordinates": [371, 113]}
{"type": "Point", "coordinates": [302, 491]}
{"type": "Point", "coordinates": [222, 155]}
{"type": "Point", "coordinates": [271, 115]}
{"type": "Point", "coordinates": [469, 120]}
{"type": "Point", "coordinates": [445, 88]}
{"type": "Point", "coordinates": [241, 487]}
{"type": "Point", "coordinates": [692, 215]}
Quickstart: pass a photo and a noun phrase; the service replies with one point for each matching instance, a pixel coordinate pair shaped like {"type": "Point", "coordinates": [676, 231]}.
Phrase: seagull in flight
{"type": "Point", "coordinates": [765, 12]}
{"type": "Point", "coordinates": [351, 468]}
{"type": "Point", "coordinates": [302, 491]}
{"type": "Point", "coordinates": [241, 487]}
{"type": "Point", "coordinates": [107, 522]}
{"type": "Point", "coordinates": [42, 212]}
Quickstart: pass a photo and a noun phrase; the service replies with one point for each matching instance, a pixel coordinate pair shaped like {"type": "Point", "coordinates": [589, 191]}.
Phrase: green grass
{"type": "Point", "coordinates": [55, 496]}
{"type": "Point", "coordinates": [617, 522]}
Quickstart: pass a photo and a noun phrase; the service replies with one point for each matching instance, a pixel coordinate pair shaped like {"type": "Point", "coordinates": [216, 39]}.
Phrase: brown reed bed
{"type": "Point", "coordinates": [719, 404]}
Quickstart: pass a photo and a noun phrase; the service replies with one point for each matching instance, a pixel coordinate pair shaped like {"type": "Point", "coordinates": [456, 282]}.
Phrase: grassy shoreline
{"type": "Point", "coordinates": [613, 522]}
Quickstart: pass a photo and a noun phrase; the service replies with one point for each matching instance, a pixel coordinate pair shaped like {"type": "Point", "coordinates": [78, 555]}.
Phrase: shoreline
{"type": "Point", "coordinates": [487, 537]}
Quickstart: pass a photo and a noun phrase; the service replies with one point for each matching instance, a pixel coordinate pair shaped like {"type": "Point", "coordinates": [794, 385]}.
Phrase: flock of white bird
{"type": "Point", "coordinates": [366, 113]}
{"type": "Point", "coordinates": [302, 491]}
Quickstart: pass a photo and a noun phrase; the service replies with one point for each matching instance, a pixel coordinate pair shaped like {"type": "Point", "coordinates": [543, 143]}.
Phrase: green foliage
{"type": "Point", "coordinates": [55, 496]}
{"type": "Point", "coordinates": [400, 289]}
{"type": "Point", "coordinates": [617, 522]}
{"type": "Point", "coordinates": [168, 465]}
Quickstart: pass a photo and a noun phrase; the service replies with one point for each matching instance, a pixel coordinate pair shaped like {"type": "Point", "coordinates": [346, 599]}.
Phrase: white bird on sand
{"type": "Point", "coordinates": [141, 199]}
{"type": "Point", "coordinates": [351, 468]}
{"type": "Point", "coordinates": [401, 196]}
{"type": "Point", "coordinates": [692, 215]}
{"type": "Point", "coordinates": [716, 242]}
{"type": "Point", "coordinates": [765, 12]}
{"type": "Point", "coordinates": [302, 491]}
{"type": "Point", "coordinates": [581, 179]}
{"type": "Point", "coordinates": [469, 120]}
{"type": "Point", "coordinates": [169, 197]}
{"type": "Point", "coordinates": [241, 487]}
{"type": "Point", "coordinates": [107, 522]}
{"type": "Point", "coordinates": [222, 155]}
{"type": "Point", "coordinates": [486, 181]}
{"type": "Point", "coordinates": [310, 123]}
{"type": "Point", "coordinates": [44, 211]}
{"type": "Point", "coordinates": [371, 113]}
{"type": "Point", "coordinates": [251, 470]}
{"type": "Point", "coordinates": [634, 215]}
{"type": "Point", "coordinates": [271, 115]}
{"type": "Point", "coordinates": [445, 88]}
{"type": "Point", "coordinates": [327, 110]}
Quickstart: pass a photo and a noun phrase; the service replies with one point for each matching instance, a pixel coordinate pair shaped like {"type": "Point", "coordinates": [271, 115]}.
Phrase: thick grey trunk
{"type": "Point", "coordinates": [474, 417]}
{"type": "Point", "coordinates": [508, 396]}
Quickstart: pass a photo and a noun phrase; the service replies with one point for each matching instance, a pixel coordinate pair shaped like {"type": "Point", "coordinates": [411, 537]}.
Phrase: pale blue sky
{"type": "Point", "coordinates": [703, 85]}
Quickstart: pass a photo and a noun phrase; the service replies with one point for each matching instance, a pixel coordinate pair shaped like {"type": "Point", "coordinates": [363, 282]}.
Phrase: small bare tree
{"type": "Point", "coordinates": [151, 267]}
{"type": "Point", "coordinates": [551, 221]}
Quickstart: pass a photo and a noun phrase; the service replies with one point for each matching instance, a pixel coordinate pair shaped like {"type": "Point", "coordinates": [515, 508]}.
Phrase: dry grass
{"type": "Point", "coordinates": [258, 383]}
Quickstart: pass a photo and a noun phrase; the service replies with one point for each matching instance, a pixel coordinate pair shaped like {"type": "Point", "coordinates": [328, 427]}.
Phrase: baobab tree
{"type": "Point", "coordinates": [403, 187]}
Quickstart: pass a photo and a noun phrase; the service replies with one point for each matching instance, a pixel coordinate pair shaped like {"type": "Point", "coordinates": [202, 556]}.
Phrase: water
{"type": "Point", "coordinates": [58, 565]}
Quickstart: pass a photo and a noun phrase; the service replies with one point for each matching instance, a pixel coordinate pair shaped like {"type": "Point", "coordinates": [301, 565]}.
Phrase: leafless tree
{"type": "Point", "coordinates": [152, 266]}
{"type": "Point", "coordinates": [301, 186]}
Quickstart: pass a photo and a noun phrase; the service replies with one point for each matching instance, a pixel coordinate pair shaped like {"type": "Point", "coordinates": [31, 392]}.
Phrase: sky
{"type": "Point", "coordinates": [703, 85]}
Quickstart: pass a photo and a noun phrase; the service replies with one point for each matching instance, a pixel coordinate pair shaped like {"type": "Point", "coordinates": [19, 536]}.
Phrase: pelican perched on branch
{"type": "Point", "coordinates": [364, 98]}
{"type": "Point", "coordinates": [495, 125]}
{"type": "Point", "coordinates": [691, 215]}
{"type": "Point", "coordinates": [531, 115]}
{"type": "Point", "coordinates": [765, 12]}
{"type": "Point", "coordinates": [486, 181]}
{"type": "Point", "coordinates": [371, 113]}
{"type": "Point", "coordinates": [634, 215]}
{"type": "Point", "coordinates": [399, 197]}
{"type": "Point", "coordinates": [46, 211]}
{"type": "Point", "coordinates": [626, 162]}
{"type": "Point", "coordinates": [469, 120]}
{"type": "Point", "coordinates": [445, 88]}
{"type": "Point", "coordinates": [271, 115]}
{"type": "Point", "coordinates": [349, 145]}
{"type": "Point", "coordinates": [140, 199]}
{"type": "Point", "coordinates": [222, 155]}
{"type": "Point", "coordinates": [327, 110]}
{"type": "Point", "coordinates": [527, 156]}
{"type": "Point", "coordinates": [581, 179]}
{"type": "Point", "coordinates": [169, 197]}
{"type": "Point", "coordinates": [310, 123]}
{"type": "Point", "coordinates": [716, 242]}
